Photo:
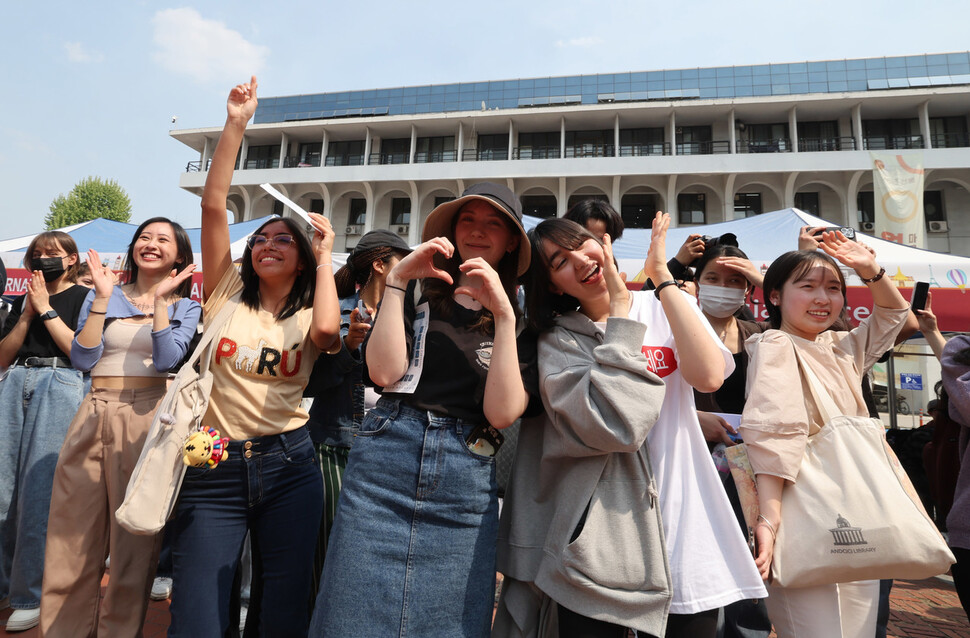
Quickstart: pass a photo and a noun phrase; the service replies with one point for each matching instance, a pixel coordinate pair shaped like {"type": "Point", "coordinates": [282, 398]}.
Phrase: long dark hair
{"type": "Point", "coordinates": [587, 209]}
{"type": "Point", "coordinates": [301, 294]}
{"type": "Point", "coordinates": [51, 240]}
{"type": "Point", "coordinates": [359, 269]}
{"type": "Point", "coordinates": [440, 293]}
{"type": "Point", "coordinates": [183, 246]}
{"type": "Point", "coordinates": [793, 265]}
{"type": "Point", "coordinates": [542, 306]}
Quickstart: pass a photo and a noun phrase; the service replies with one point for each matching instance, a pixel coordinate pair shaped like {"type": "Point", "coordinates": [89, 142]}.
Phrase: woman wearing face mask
{"type": "Point", "coordinates": [724, 277]}
{"type": "Point", "coordinates": [36, 347]}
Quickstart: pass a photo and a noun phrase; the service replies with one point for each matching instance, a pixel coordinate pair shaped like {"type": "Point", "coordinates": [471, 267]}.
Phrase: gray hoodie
{"type": "Point", "coordinates": [581, 520]}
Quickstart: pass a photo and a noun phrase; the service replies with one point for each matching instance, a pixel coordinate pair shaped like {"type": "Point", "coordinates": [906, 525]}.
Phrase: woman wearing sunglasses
{"type": "Point", "coordinates": [269, 485]}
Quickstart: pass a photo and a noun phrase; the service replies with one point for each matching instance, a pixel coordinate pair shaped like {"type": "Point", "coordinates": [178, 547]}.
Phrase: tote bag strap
{"type": "Point", "coordinates": [208, 334]}
{"type": "Point", "coordinates": [823, 400]}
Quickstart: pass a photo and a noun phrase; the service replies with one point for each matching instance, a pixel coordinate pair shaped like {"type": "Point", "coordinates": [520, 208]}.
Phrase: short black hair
{"type": "Point", "coordinates": [587, 209]}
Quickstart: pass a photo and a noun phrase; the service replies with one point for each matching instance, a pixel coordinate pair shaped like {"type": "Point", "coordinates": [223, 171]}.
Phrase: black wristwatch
{"type": "Point", "coordinates": [47, 316]}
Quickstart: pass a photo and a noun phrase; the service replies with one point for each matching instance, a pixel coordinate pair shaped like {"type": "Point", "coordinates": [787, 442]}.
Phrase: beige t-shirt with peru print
{"type": "Point", "coordinates": [260, 367]}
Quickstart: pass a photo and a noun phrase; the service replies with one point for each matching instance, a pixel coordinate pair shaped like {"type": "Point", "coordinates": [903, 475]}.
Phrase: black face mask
{"type": "Point", "coordinates": [52, 267]}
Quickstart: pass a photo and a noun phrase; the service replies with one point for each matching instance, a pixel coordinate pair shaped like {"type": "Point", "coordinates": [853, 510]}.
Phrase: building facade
{"type": "Point", "coordinates": [706, 145]}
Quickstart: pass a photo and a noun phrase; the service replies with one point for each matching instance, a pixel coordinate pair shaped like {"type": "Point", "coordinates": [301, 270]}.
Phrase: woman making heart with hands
{"type": "Point", "coordinates": [422, 561]}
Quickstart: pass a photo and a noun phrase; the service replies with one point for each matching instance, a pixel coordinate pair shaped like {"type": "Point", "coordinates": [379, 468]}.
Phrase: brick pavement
{"type": "Point", "coordinates": [920, 609]}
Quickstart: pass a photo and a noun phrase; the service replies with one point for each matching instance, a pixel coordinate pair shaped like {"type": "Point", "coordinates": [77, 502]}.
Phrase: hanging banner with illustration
{"type": "Point", "coordinates": [897, 185]}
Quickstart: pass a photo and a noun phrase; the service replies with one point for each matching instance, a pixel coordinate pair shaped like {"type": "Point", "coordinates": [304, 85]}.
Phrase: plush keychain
{"type": "Point", "coordinates": [205, 447]}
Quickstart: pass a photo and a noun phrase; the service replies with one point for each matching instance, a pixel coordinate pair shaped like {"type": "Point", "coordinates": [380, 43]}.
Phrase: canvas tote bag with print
{"type": "Point", "coordinates": [157, 477]}
{"type": "Point", "coordinates": [852, 513]}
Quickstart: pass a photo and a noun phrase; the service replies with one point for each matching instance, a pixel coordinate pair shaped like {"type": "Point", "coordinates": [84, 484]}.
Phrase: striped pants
{"type": "Point", "coordinates": [332, 461]}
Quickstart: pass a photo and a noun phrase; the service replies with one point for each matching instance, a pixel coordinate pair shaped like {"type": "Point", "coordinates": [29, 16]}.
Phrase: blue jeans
{"type": "Point", "coordinates": [36, 408]}
{"type": "Point", "coordinates": [276, 494]}
{"type": "Point", "coordinates": [412, 551]}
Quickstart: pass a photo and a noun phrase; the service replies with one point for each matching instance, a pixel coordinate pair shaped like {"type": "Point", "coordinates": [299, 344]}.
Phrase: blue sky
{"type": "Point", "coordinates": [91, 88]}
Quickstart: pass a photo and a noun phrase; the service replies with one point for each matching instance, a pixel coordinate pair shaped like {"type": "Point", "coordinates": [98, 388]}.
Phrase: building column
{"type": "Point", "coordinates": [561, 204]}
{"type": "Point", "coordinates": [672, 200]}
{"type": "Point", "coordinates": [414, 138]}
{"type": "Point", "coordinates": [414, 238]}
{"type": "Point", "coordinates": [243, 151]}
{"type": "Point", "coordinates": [857, 126]}
{"type": "Point", "coordinates": [851, 208]}
{"type": "Point", "coordinates": [371, 206]}
{"type": "Point", "coordinates": [284, 146]}
{"type": "Point", "coordinates": [616, 139]}
{"type": "Point", "coordinates": [562, 137]}
{"type": "Point", "coordinates": [727, 199]}
{"type": "Point", "coordinates": [732, 131]}
{"type": "Point", "coordinates": [206, 154]}
{"type": "Point", "coordinates": [615, 200]}
{"type": "Point", "coordinates": [924, 124]}
{"type": "Point", "coordinates": [790, 180]}
{"type": "Point", "coordinates": [793, 128]}
{"type": "Point", "coordinates": [513, 140]}
{"type": "Point", "coordinates": [324, 148]}
{"type": "Point", "coordinates": [461, 142]}
{"type": "Point", "coordinates": [672, 132]}
{"type": "Point", "coordinates": [367, 142]}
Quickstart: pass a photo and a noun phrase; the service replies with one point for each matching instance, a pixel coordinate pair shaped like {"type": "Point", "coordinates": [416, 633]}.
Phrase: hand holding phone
{"type": "Point", "coordinates": [919, 295]}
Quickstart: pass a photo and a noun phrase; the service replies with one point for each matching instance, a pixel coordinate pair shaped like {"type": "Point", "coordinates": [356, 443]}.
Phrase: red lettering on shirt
{"type": "Point", "coordinates": [660, 360]}
{"type": "Point", "coordinates": [296, 366]}
{"type": "Point", "coordinates": [225, 349]}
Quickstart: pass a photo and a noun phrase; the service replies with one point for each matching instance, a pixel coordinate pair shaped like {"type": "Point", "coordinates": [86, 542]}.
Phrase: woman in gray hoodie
{"type": "Point", "coordinates": [582, 541]}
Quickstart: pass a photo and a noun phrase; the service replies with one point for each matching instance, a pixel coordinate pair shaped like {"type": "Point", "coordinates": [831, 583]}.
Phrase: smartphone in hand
{"type": "Point", "coordinates": [919, 295]}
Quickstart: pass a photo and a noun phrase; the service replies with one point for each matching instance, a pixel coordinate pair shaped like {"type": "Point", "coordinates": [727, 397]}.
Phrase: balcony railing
{"type": "Point", "coordinates": [815, 144]}
{"type": "Point", "coordinates": [256, 164]}
{"type": "Point", "coordinates": [435, 156]}
{"type": "Point", "coordinates": [641, 150]}
{"type": "Point", "coordinates": [536, 152]}
{"type": "Point", "coordinates": [778, 145]}
{"type": "Point", "coordinates": [892, 142]}
{"type": "Point", "coordinates": [196, 167]}
{"type": "Point", "coordinates": [484, 154]}
{"type": "Point", "coordinates": [295, 161]}
{"type": "Point", "coordinates": [950, 140]}
{"type": "Point", "coordinates": [345, 160]}
{"type": "Point", "coordinates": [591, 150]}
{"type": "Point", "coordinates": [716, 147]}
{"type": "Point", "coordinates": [389, 158]}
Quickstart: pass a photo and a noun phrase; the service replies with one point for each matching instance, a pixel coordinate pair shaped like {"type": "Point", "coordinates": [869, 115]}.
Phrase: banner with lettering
{"type": "Point", "coordinates": [897, 185]}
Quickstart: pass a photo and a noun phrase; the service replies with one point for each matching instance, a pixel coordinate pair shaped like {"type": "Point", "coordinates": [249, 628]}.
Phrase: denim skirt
{"type": "Point", "coordinates": [412, 552]}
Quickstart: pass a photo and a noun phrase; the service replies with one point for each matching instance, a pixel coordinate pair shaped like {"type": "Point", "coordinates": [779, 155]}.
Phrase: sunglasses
{"type": "Point", "coordinates": [279, 241]}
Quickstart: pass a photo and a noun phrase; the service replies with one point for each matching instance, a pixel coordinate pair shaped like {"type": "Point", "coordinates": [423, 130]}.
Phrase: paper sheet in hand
{"type": "Point", "coordinates": [287, 201]}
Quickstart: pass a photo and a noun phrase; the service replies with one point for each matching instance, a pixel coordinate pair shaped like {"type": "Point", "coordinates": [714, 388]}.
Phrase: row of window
{"type": "Point", "coordinates": [945, 132]}
{"type": "Point", "coordinates": [638, 209]}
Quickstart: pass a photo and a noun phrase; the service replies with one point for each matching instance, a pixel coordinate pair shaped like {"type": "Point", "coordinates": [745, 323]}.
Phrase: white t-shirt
{"type": "Point", "coordinates": [710, 563]}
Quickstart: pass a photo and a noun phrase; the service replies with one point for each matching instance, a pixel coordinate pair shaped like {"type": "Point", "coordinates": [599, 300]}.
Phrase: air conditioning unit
{"type": "Point", "coordinates": [352, 230]}
{"type": "Point", "coordinates": [867, 227]}
{"type": "Point", "coordinates": [938, 227]}
{"type": "Point", "coordinates": [402, 230]}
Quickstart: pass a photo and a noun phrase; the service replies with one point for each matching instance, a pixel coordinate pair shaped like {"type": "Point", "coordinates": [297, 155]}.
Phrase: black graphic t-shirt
{"type": "Point", "coordinates": [456, 362]}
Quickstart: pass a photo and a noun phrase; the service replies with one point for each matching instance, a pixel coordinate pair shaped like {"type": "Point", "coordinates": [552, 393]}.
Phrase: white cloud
{"type": "Point", "coordinates": [584, 42]}
{"type": "Point", "coordinates": [205, 50]}
{"type": "Point", "coordinates": [77, 53]}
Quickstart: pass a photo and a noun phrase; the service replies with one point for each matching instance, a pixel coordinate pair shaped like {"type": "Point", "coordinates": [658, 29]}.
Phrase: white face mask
{"type": "Point", "coordinates": [719, 301]}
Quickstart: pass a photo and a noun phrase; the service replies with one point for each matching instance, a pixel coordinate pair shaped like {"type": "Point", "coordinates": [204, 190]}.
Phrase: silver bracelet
{"type": "Point", "coordinates": [319, 266]}
{"type": "Point", "coordinates": [764, 519]}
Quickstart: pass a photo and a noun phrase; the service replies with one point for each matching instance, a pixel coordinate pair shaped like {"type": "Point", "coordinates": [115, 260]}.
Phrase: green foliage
{"type": "Point", "coordinates": [90, 198]}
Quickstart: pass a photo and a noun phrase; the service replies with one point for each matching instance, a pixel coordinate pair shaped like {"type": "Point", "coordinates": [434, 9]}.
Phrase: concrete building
{"type": "Point", "coordinates": [706, 145]}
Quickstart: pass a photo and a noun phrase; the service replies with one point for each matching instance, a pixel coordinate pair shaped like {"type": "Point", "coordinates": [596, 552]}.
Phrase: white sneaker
{"type": "Point", "coordinates": [161, 588]}
{"type": "Point", "coordinates": [23, 619]}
